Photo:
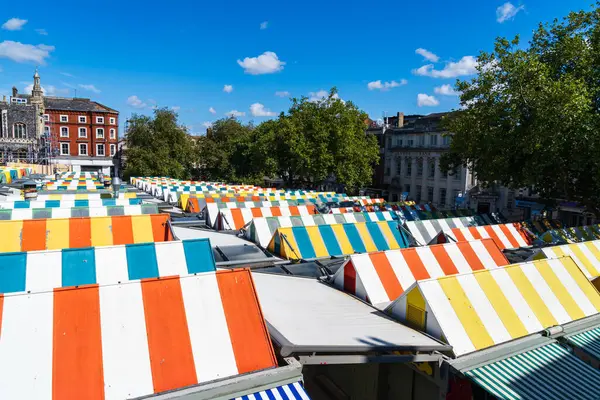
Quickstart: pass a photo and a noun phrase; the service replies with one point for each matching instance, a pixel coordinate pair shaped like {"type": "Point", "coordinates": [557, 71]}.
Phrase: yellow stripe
{"type": "Point", "coordinates": [466, 313]}
{"type": "Point", "coordinates": [366, 237]}
{"type": "Point", "coordinates": [130, 195]}
{"type": "Point", "coordinates": [286, 251]}
{"type": "Point", "coordinates": [10, 239]}
{"type": "Point", "coordinates": [576, 249]}
{"type": "Point", "coordinates": [594, 250]}
{"type": "Point", "coordinates": [558, 251]}
{"type": "Point", "coordinates": [57, 234]}
{"type": "Point", "coordinates": [590, 291]}
{"type": "Point", "coordinates": [142, 229]}
{"type": "Point", "coordinates": [559, 290]}
{"type": "Point", "coordinates": [80, 196]}
{"type": "Point", "coordinates": [101, 228]}
{"type": "Point", "coordinates": [505, 311]}
{"type": "Point", "coordinates": [531, 296]}
{"type": "Point", "coordinates": [342, 239]}
{"type": "Point", "coordinates": [387, 233]}
{"type": "Point", "coordinates": [183, 199]}
{"type": "Point", "coordinates": [317, 241]}
{"type": "Point", "coordinates": [55, 196]}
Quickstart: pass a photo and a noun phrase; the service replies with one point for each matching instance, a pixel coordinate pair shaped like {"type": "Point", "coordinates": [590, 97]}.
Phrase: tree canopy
{"type": "Point", "coordinates": [158, 146]}
{"type": "Point", "coordinates": [531, 115]}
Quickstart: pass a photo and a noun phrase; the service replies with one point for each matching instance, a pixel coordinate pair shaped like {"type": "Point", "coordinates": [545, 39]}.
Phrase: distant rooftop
{"type": "Point", "coordinates": [71, 104]}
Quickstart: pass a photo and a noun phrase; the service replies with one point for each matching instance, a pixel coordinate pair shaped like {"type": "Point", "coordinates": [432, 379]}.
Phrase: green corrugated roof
{"type": "Point", "coordinates": [588, 341]}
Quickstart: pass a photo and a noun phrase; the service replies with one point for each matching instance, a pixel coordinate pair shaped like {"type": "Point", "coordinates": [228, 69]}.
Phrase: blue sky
{"type": "Point", "coordinates": [133, 55]}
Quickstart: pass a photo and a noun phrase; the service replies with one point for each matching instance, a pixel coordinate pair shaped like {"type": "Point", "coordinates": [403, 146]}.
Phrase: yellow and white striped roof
{"type": "Point", "coordinates": [586, 255]}
{"type": "Point", "coordinates": [481, 309]}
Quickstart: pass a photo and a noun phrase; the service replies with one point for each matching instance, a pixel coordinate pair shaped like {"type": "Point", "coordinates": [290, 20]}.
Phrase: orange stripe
{"type": "Point", "coordinates": [294, 210]}
{"type": "Point", "coordinates": [494, 236]}
{"type": "Point", "coordinates": [442, 257]}
{"type": "Point", "coordinates": [238, 219]}
{"type": "Point", "coordinates": [256, 212]}
{"type": "Point", "coordinates": [497, 255]}
{"type": "Point", "coordinates": [77, 370]}
{"type": "Point", "coordinates": [474, 232]}
{"type": "Point", "coordinates": [171, 358]}
{"type": "Point", "coordinates": [256, 198]}
{"type": "Point", "coordinates": [80, 232]}
{"type": "Point", "coordinates": [249, 337]}
{"type": "Point", "coordinates": [276, 211]}
{"type": "Point", "coordinates": [160, 228]}
{"type": "Point", "coordinates": [33, 235]}
{"type": "Point", "coordinates": [311, 209]}
{"type": "Point", "coordinates": [458, 234]}
{"type": "Point", "coordinates": [415, 264]}
{"type": "Point", "coordinates": [122, 229]}
{"type": "Point", "coordinates": [470, 255]}
{"type": "Point", "coordinates": [193, 205]}
{"type": "Point", "coordinates": [509, 235]}
{"type": "Point", "coordinates": [386, 274]}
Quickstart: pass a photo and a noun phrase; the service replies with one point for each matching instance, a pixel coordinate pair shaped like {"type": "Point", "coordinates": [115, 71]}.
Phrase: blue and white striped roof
{"type": "Point", "coordinates": [292, 391]}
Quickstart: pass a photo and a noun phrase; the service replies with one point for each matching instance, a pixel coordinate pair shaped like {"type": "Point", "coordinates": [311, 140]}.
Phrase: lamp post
{"type": "Point", "coordinates": [116, 185]}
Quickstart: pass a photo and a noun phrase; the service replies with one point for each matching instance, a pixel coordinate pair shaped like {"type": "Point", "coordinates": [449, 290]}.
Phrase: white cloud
{"type": "Point", "coordinates": [207, 124]}
{"type": "Point", "coordinates": [47, 90]}
{"type": "Point", "coordinates": [429, 56]}
{"type": "Point", "coordinates": [259, 110]}
{"type": "Point", "coordinates": [14, 24]}
{"type": "Point", "coordinates": [20, 52]}
{"type": "Point", "coordinates": [89, 87]}
{"type": "Point", "coordinates": [445, 90]}
{"type": "Point", "coordinates": [465, 66]}
{"type": "Point", "coordinates": [228, 88]}
{"type": "Point", "coordinates": [507, 11]}
{"type": "Point", "coordinates": [263, 25]}
{"type": "Point", "coordinates": [42, 32]}
{"type": "Point", "coordinates": [235, 113]}
{"type": "Point", "coordinates": [266, 63]}
{"type": "Point", "coordinates": [175, 108]}
{"type": "Point", "coordinates": [212, 110]}
{"type": "Point", "coordinates": [283, 93]}
{"type": "Point", "coordinates": [136, 102]}
{"type": "Point", "coordinates": [424, 100]}
{"type": "Point", "coordinates": [385, 85]}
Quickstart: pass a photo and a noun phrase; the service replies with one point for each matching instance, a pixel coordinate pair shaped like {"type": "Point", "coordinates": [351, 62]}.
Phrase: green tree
{"type": "Point", "coordinates": [531, 117]}
{"type": "Point", "coordinates": [158, 146]}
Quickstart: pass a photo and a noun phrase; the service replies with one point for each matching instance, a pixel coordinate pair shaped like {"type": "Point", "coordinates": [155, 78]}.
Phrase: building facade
{"type": "Point", "coordinates": [77, 132]}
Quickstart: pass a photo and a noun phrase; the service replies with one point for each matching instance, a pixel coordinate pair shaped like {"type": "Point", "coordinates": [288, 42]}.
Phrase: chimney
{"type": "Point", "coordinates": [14, 91]}
{"type": "Point", "coordinates": [4, 98]}
{"type": "Point", "coordinates": [400, 120]}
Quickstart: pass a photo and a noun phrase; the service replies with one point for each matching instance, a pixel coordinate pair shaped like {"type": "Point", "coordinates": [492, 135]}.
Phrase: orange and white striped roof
{"type": "Point", "coordinates": [237, 218]}
{"type": "Point", "coordinates": [132, 339]}
{"type": "Point", "coordinates": [506, 236]}
{"type": "Point", "coordinates": [381, 277]}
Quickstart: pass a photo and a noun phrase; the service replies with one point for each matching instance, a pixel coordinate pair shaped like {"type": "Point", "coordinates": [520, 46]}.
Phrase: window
{"type": "Point", "coordinates": [398, 166]}
{"type": "Point", "coordinates": [389, 142]}
{"type": "Point", "coordinates": [64, 118]}
{"type": "Point", "coordinates": [64, 149]}
{"type": "Point", "coordinates": [431, 167]}
{"type": "Point", "coordinates": [113, 149]}
{"type": "Point", "coordinates": [446, 140]}
{"type": "Point", "coordinates": [99, 120]}
{"type": "Point", "coordinates": [113, 133]}
{"type": "Point", "coordinates": [47, 130]}
{"type": "Point", "coordinates": [113, 121]}
{"type": "Point", "coordinates": [430, 193]}
{"type": "Point", "coordinates": [410, 143]}
{"type": "Point", "coordinates": [46, 117]}
{"type": "Point", "coordinates": [82, 132]}
{"type": "Point", "coordinates": [408, 166]}
{"type": "Point", "coordinates": [100, 133]}
{"type": "Point", "coordinates": [420, 167]}
{"type": "Point", "coordinates": [422, 141]}
{"type": "Point", "coordinates": [418, 194]}
{"type": "Point", "coordinates": [100, 150]}
{"type": "Point", "coordinates": [394, 197]}
{"type": "Point", "coordinates": [433, 140]}
{"type": "Point", "coordinates": [407, 189]}
{"type": "Point", "coordinates": [458, 174]}
{"type": "Point", "coordinates": [19, 131]}
{"type": "Point", "coordinates": [442, 197]}
{"type": "Point", "coordinates": [83, 149]}
{"type": "Point", "coordinates": [64, 131]}
{"type": "Point", "coordinates": [82, 119]}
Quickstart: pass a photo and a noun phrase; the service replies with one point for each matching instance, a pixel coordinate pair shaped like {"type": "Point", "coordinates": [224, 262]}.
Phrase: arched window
{"type": "Point", "coordinates": [19, 131]}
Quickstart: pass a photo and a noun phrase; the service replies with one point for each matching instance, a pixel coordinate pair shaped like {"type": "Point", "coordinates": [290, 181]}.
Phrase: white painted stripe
{"type": "Point", "coordinates": [574, 290]}
{"type": "Point", "coordinates": [329, 219]}
{"type": "Point", "coordinates": [246, 215]}
{"type": "Point", "coordinates": [26, 347]}
{"type": "Point", "coordinates": [400, 267]}
{"type": "Point", "coordinates": [266, 212]}
{"type": "Point", "coordinates": [483, 254]}
{"type": "Point", "coordinates": [209, 334]}
{"type": "Point", "coordinates": [303, 210]}
{"type": "Point", "coordinates": [133, 210]}
{"type": "Point", "coordinates": [213, 211]}
{"type": "Point", "coordinates": [349, 217]}
{"type": "Point", "coordinates": [590, 256]}
{"type": "Point", "coordinates": [285, 211]}
{"type": "Point", "coordinates": [484, 309]}
{"type": "Point", "coordinates": [387, 216]}
{"type": "Point", "coordinates": [125, 354]}
{"type": "Point", "coordinates": [446, 316]}
{"type": "Point", "coordinates": [170, 258]}
{"type": "Point", "coordinates": [61, 213]}
{"type": "Point", "coordinates": [505, 241]}
{"type": "Point", "coordinates": [458, 258]}
{"type": "Point", "coordinates": [431, 230]}
{"type": "Point", "coordinates": [22, 213]}
{"type": "Point", "coordinates": [444, 225]}
{"type": "Point", "coordinates": [548, 297]}
{"type": "Point", "coordinates": [98, 212]}
{"type": "Point", "coordinates": [284, 203]}
{"type": "Point", "coordinates": [300, 391]}
{"type": "Point", "coordinates": [466, 233]}
{"type": "Point", "coordinates": [412, 228]}
{"type": "Point", "coordinates": [285, 222]}
{"type": "Point", "coordinates": [44, 271]}
{"type": "Point", "coordinates": [262, 231]}
{"type": "Point", "coordinates": [430, 262]}
{"type": "Point", "coordinates": [308, 220]}
{"type": "Point", "coordinates": [517, 235]}
{"type": "Point", "coordinates": [111, 265]}
{"type": "Point", "coordinates": [365, 270]}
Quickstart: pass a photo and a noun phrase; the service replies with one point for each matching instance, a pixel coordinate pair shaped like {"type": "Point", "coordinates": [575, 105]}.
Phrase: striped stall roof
{"type": "Point", "coordinates": [66, 233]}
{"type": "Point", "coordinates": [39, 213]}
{"type": "Point", "coordinates": [481, 309]}
{"type": "Point", "coordinates": [381, 277]}
{"type": "Point", "coordinates": [588, 341]}
{"type": "Point", "coordinates": [86, 196]}
{"type": "Point", "coordinates": [292, 391]}
{"type": "Point", "coordinates": [548, 372]}
{"type": "Point", "coordinates": [261, 230]}
{"type": "Point", "coordinates": [45, 270]}
{"type": "Point", "coordinates": [308, 242]}
{"type": "Point", "coordinates": [427, 231]}
{"type": "Point", "coordinates": [586, 255]}
{"type": "Point", "coordinates": [237, 218]}
{"type": "Point", "coordinates": [68, 203]}
{"type": "Point", "coordinates": [506, 236]}
{"type": "Point", "coordinates": [572, 235]}
{"type": "Point", "coordinates": [131, 339]}
{"type": "Point", "coordinates": [212, 209]}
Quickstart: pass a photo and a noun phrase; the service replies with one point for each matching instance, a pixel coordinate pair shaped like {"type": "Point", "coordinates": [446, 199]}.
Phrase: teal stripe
{"type": "Point", "coordinates": [354, 237]}
{"type": "Point", "coordinates": [331, 243]}
{"type": "Point", "coordinates": [377, 236]}
{"type": "Point", "coordinates": [78, 267]}
{"type": "Point", "coordinates": [199, 256]}
{"type": "Point", "coordinates": [303, 241]}
{"type": "Point", "coordinates": [141, 261]}
{"type": "Point", "coordinates": [13, 268]}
